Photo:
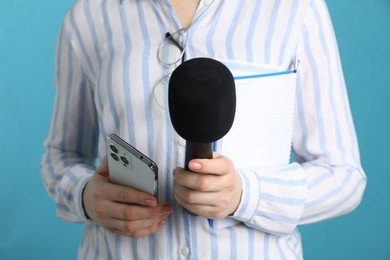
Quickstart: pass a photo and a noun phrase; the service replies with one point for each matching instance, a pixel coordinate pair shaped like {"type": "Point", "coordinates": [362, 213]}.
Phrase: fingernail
{"type": "Point", "coordinates": [167, 209]}
{"type": "Point", "coordinates": [162, 222]}
{"type": "Point", "coordinates": [151, 203]}
{"type": "Point", "coordinates": [195, 165]}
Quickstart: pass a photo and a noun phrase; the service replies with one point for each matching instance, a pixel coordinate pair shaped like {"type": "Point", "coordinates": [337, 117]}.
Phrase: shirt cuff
{"type": "Point", "coordinates": [249, 201]}
{"type": "Point", "coordinates": [78, 199]}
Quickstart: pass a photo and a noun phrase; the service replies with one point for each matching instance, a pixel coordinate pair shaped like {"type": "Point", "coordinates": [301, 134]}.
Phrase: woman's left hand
{"type": "Point", "coordinates": [213, 189]}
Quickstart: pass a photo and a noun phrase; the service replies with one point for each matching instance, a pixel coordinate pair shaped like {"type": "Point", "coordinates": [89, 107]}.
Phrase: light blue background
{"type": "Point", "coordinates": [29, 228]}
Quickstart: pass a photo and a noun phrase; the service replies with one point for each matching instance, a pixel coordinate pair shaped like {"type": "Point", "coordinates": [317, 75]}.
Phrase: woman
{"type": "Point", "coordinates": [114, 56]}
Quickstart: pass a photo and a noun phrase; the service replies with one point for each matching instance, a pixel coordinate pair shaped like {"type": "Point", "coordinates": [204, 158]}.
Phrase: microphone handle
{"type": "Point", "coordinates": [197, 150]}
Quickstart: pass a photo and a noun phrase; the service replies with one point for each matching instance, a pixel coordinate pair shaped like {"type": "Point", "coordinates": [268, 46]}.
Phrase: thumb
{"type": "Point", "coordinates": [103, 168]}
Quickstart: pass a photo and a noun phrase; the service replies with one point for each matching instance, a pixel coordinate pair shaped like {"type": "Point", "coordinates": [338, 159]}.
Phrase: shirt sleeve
{"type": "Point", "coordinates": [326, 178]}
{"type": "Point", "coordinates": [70, 148]}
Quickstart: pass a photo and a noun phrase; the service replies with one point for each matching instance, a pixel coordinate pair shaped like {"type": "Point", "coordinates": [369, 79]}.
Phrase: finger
{"type": "Point", "coordinates": [125, 194]}
{"type": "Point", "coordinates": [191, 196]}
{"type": "Point", "coordinates": [205, 210]}
{"type": "Point", "coordinates": [140, 233]}
{"type": "Point", "coordinates": [200, 182]}
{"type": "Point", "coordinates": [219, 165]}
{"type": "Point", "coordinates": [134, 212]}
{"type": "Point", "coordinates": [132, 226]}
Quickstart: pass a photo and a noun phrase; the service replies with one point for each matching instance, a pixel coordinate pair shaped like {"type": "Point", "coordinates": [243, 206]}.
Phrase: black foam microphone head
{"type": "Point", "coordinates": [202, 100]}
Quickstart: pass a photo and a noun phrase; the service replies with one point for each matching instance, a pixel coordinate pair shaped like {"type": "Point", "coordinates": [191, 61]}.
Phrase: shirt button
{"type": "Point", "coordinates": [182, 142]}
{"type": "Point", "coordinates": [185, 251]}
{"type": "Point", "coordinates": [207, 2]}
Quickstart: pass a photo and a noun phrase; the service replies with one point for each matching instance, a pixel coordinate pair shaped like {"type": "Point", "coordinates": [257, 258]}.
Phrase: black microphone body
{"type": "Point", "coordinates": [202, 103]}
{"type": "Point", "coordinates": [197, 150]}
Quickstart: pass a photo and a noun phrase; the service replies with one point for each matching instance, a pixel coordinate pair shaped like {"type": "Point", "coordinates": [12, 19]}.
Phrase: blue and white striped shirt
{"type": "Point", "coordinates": [107, 68]}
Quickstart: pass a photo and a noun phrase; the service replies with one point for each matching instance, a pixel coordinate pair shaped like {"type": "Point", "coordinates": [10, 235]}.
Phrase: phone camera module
{"type": "Point", "coordinates": [124, 160]}
{"type": "Point", "coordinates": [114, 149]}
{"type": "Point", "coordinates": [114, 156]}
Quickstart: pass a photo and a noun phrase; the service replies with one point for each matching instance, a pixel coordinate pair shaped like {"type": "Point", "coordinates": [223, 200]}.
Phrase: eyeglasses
{"type": "Point", "coordinates": [170, 52]}
{"type": "Point", "coordinates": [171, 49]}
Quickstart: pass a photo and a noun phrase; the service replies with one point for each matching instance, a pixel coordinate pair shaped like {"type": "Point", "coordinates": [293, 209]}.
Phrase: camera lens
{"type": "Point", "coordinates": [124, 160]}
{"type": "Point", "coordinates": [113, 148]}
{"type": "Point", "coordinates": [114, 156]}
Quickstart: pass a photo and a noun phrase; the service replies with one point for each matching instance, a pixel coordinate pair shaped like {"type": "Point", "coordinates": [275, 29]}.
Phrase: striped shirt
{"type": "Point", "coordinates": [106, 70]}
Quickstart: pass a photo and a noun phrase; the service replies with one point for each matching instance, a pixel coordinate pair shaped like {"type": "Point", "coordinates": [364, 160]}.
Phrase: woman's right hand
{"type": "Point", "coordinates": [122, 210]}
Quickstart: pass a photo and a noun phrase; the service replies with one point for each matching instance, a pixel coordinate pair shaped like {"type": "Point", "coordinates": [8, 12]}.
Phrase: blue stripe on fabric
{"type": "Point", "coordinates": [83, 241]}
{"type": "Point", "coordinates": [200, 15]}
{"type": "Point", "coordinates": [320, 179]}
{"type": "Point", "coordinates": [94, 139]}
{"type": "Point", "coordinates": [59, 61]}
{"type": "Point", "coordinates": [92, 30]}
{"type": "Point", "coordinates": [88, 17]}
{"type": "Point", "coordinates": [287, 35]}
{"type": "Point", "coordinates": [264, 75]}
{"type": "Point", "coordinates": [270, 32]}
{"type": "Point", "coordinates": [118, 242]}
{"type": "Point", "coordinates": [107, 28]}
{"type": "Point", "coordinates": [301, 182]}
{"type": "Point", "coordinates": [292, 166]}
{"type": "Point", "coordinates": [111, 51]}
{"type": "Point", "coordinates": [346, 108]}
{"type": "Point", "coordinates": [245, 200]}
{"type": "Point", "coordinates": [266, 246]}
{"type": "Point", "coordinates": [194, 237]}
{"type": "Point", "coordinates": [72, 177]}
{"type": "Point", "coordinates": [325, 46]}
{"type": "Point", "coordinates": [97, 251]}
{"type": "Point", "coordinates": [81, 43]}
{"type": "Point", "coordinates": [333, 192]}
{"type": "Point", "coordinates": [173, 14]}
{"type": "Point", "coordinates": [281, 200]}
{"type": "Point", "coordinates": [317, 97]}
{"type": "Point", "coordinates": [63, 207]}
{"type": "Point", "coordinates": [81, 118]}
{"type": "Point", "coordinates": [134, 248]}
{"type": "Point", "coordinates": [290, 236]}
{"type": "Point", "coordinates": [343, 93]}
{"type": "Point", "coordinates": [297, 241]}
{"type": "Point", "coordinates": [126, 74]}
{"type": "Point", "coordinates": [233, 243]}
{"type": "Point", "coordinates": [251, 244]}
{"type": "Point", "coordinates": [86, 257]}
{"type": "Point", "coordinates": [107, 249]}
{"type": "Point", "coordinates": [186, 227]}
{"type": "Point", "coordinates": [280, 250]}
{"type": "Point", "coordinates": [65, 195]}
{"type": "Point", "coordinates": [145, 77]}
{"type": "Point", "coordinates": [168, 179]}
{"type": "Point", "coordinates": [278, 218]}
{"type": "Point", "coordinates": [340, 204]}
{"type": "Point", "coordinates": [167, 176]}
{"type": "Point", "coordinates": [251, 30]}
{"type": "Point", "coordinates": [212, 30]}
{"type": "Point", "coordinates": [264, 230]}
{"type": "Point", "coordinates": [148, 112]}
{"type": "Point", "coordinates": [232, 28]}
{"type": "Point", "coordinates": [69, 88]}
{"type": "Point", "coordinates": [213, 244]}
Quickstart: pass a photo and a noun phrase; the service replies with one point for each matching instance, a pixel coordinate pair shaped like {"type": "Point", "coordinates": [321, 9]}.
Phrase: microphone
{"type": "Point", "coordinates": [202, 104]}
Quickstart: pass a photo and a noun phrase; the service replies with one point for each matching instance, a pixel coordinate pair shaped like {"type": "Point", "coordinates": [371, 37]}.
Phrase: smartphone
{"type": "Point", "coordinates": [129, 167]}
